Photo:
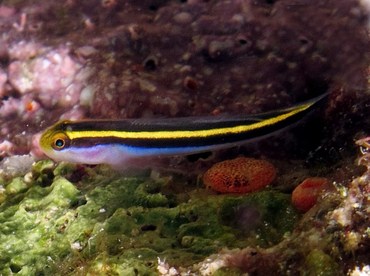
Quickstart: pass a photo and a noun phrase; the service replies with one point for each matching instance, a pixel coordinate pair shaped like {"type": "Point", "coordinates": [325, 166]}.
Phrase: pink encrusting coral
{"type": "Point", "coordinates": [240, 175]}
{"type": "Point", "coordinates": [55, 78]}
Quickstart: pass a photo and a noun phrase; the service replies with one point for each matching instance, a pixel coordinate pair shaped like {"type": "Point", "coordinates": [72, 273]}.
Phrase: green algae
{"type": "Point", "coordinates": [120, 226]}
{"type": "Point", "coordinates": [319, 263]}
{"type": "Point", "coordinates": [228, 271]}
{"type": "Point", "coordinates": [28, 228]}
{"type": "Point", "coordinates": [268, 214]}
{"type": "Point", "coordinates": [17, 185]}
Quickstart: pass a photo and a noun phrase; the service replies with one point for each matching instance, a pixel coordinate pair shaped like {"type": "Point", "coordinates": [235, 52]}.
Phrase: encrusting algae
{"type": "Point", "coordinates": [106, 223]}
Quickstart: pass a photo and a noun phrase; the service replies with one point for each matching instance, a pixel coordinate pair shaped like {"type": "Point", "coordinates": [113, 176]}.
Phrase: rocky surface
{"type": "Point", "coordinates": [125, 59]}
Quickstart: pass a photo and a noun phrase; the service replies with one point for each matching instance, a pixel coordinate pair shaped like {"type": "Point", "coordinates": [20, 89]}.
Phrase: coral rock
{"type": "Point", "coordinates": [305, 195]}
{"type": "Point", "coordinates": [240, 175]}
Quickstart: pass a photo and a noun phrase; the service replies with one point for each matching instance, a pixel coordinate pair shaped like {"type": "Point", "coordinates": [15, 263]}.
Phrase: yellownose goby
{"type": "Point", "coordinates": [116, 141]}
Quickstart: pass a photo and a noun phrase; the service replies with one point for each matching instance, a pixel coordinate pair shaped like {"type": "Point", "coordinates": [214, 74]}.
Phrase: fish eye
{"type": "Point", "coordinates": [60, 141]}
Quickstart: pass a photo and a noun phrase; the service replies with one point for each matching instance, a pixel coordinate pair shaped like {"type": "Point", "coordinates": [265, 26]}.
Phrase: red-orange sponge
{"type": "Point", "coordinates": [240, 175]}
{"type": "Point", "coordinates": [305, 195]}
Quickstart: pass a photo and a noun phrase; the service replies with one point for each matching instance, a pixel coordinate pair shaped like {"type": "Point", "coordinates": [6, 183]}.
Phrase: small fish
{"type": "Point", "coordinates": [115, 142]}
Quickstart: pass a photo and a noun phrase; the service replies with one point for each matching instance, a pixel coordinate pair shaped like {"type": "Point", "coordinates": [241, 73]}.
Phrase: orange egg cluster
{"type": "Point", "coordinates": [305, 195]}
{"type": "Point", "coordinates": [240, 175]}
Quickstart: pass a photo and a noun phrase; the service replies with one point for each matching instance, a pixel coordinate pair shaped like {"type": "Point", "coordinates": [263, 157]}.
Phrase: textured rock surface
{"type": "Point", "coordinates": [118, 59]}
